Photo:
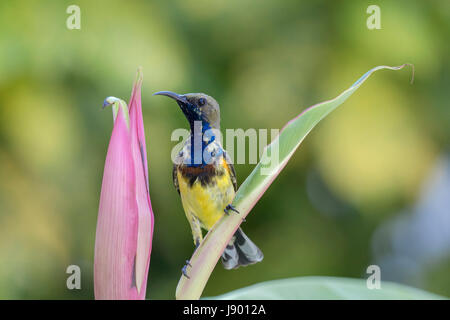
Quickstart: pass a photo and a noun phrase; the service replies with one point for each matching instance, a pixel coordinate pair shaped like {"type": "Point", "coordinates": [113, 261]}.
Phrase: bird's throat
{"type": "Point", "coordinates": [202, 135]}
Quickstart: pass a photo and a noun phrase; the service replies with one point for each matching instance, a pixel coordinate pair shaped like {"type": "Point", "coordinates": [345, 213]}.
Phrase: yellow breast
{"type": "Point", "coordinates": [206, 201]}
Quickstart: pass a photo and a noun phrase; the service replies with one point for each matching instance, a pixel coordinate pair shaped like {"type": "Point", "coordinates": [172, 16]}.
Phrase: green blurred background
{"type": "Point", "coordinates": [369, 185]}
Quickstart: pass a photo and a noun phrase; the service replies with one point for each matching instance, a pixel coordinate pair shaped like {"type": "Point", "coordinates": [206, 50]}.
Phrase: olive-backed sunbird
{"type": "Point", "coordinates": [205, 178]}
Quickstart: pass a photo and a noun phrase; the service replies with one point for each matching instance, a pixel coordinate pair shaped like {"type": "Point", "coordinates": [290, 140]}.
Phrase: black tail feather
{"type": "Point", "coordinates": [241, 251]}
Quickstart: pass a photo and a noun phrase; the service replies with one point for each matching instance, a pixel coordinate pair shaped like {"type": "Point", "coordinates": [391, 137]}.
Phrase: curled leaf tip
{"type": "Point", "coordinates": [109, 101]}
{"type": "Point", "coordinates": [117, 104]}
{"type": "Point", "coordinates": [404, 65]}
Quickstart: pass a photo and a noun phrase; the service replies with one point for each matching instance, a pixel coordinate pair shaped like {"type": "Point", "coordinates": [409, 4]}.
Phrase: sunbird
{"type": "Point", "coordinates": [205, 178]}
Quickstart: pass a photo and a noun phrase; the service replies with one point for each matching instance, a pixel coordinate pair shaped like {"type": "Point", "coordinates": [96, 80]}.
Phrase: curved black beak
{"type": "Point", "coordinates": [177, 97]}
{"type": "Point", "coordinates": [190, 110]}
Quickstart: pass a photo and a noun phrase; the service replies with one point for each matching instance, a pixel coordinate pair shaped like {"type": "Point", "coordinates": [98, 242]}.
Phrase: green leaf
{"type": "Point", "coordinates": [273, 160]}
{"type": "Point", "coordinates": [319, 288]}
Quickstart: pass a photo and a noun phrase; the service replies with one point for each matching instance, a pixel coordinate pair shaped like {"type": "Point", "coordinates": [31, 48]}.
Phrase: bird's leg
{"type": "Point", "coordinates": [197, 242]}
{"type": "Point", "coordinates": [184, 269]}
{"type": "Point", "coordinates": [228, 208]}
{"type": "Point", "coordinates": [197, 234]}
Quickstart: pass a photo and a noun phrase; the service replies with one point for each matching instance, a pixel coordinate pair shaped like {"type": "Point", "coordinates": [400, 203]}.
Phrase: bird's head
{"type": "Point", "coordinates": [196, 107]}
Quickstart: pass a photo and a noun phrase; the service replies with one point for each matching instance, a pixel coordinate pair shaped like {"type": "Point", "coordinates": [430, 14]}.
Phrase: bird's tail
{"type": "Point", "coordinates": [241, 251]}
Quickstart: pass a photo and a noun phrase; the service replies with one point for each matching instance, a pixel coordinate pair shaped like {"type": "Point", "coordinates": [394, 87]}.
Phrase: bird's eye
{"type": "Point", "coordinates": [201, 102]}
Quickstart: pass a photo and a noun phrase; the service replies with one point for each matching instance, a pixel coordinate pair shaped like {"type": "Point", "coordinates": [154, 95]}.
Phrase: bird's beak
{"type": "Point", "coordinates": [177, 97]}
{"type": "Point", "coordinates": [189, 110]}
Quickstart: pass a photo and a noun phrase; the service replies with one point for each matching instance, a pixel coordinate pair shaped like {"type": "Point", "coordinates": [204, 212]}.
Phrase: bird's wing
{"type": "Point", "coordinates": [231, 170]}
{"type": "Point", "coordinates": [175, 178]}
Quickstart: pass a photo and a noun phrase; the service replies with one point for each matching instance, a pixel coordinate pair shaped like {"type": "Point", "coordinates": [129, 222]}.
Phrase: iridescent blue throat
{"type": "Point", "coordinates": [206, 137]}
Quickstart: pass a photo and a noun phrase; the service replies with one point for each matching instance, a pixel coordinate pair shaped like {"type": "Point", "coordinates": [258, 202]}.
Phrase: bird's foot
{"type": "Point", "coordinates": [228, 208]}
{"type": "Point", "coordinates": [184, 269]}
{"type": "Point", "coordinates": [197, 242]}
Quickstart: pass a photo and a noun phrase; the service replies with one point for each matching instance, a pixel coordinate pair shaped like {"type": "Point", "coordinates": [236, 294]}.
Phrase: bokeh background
{"type": "Point", "coordinates": [369, 185]}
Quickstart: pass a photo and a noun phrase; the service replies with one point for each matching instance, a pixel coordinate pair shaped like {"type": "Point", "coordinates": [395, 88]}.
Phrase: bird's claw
{"type": "Point", "coordinates": [184, 269]}
{"type": "Point", "coordinates": [228, 208]}
{"type": "Point", "coordinates": [197, 243]}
